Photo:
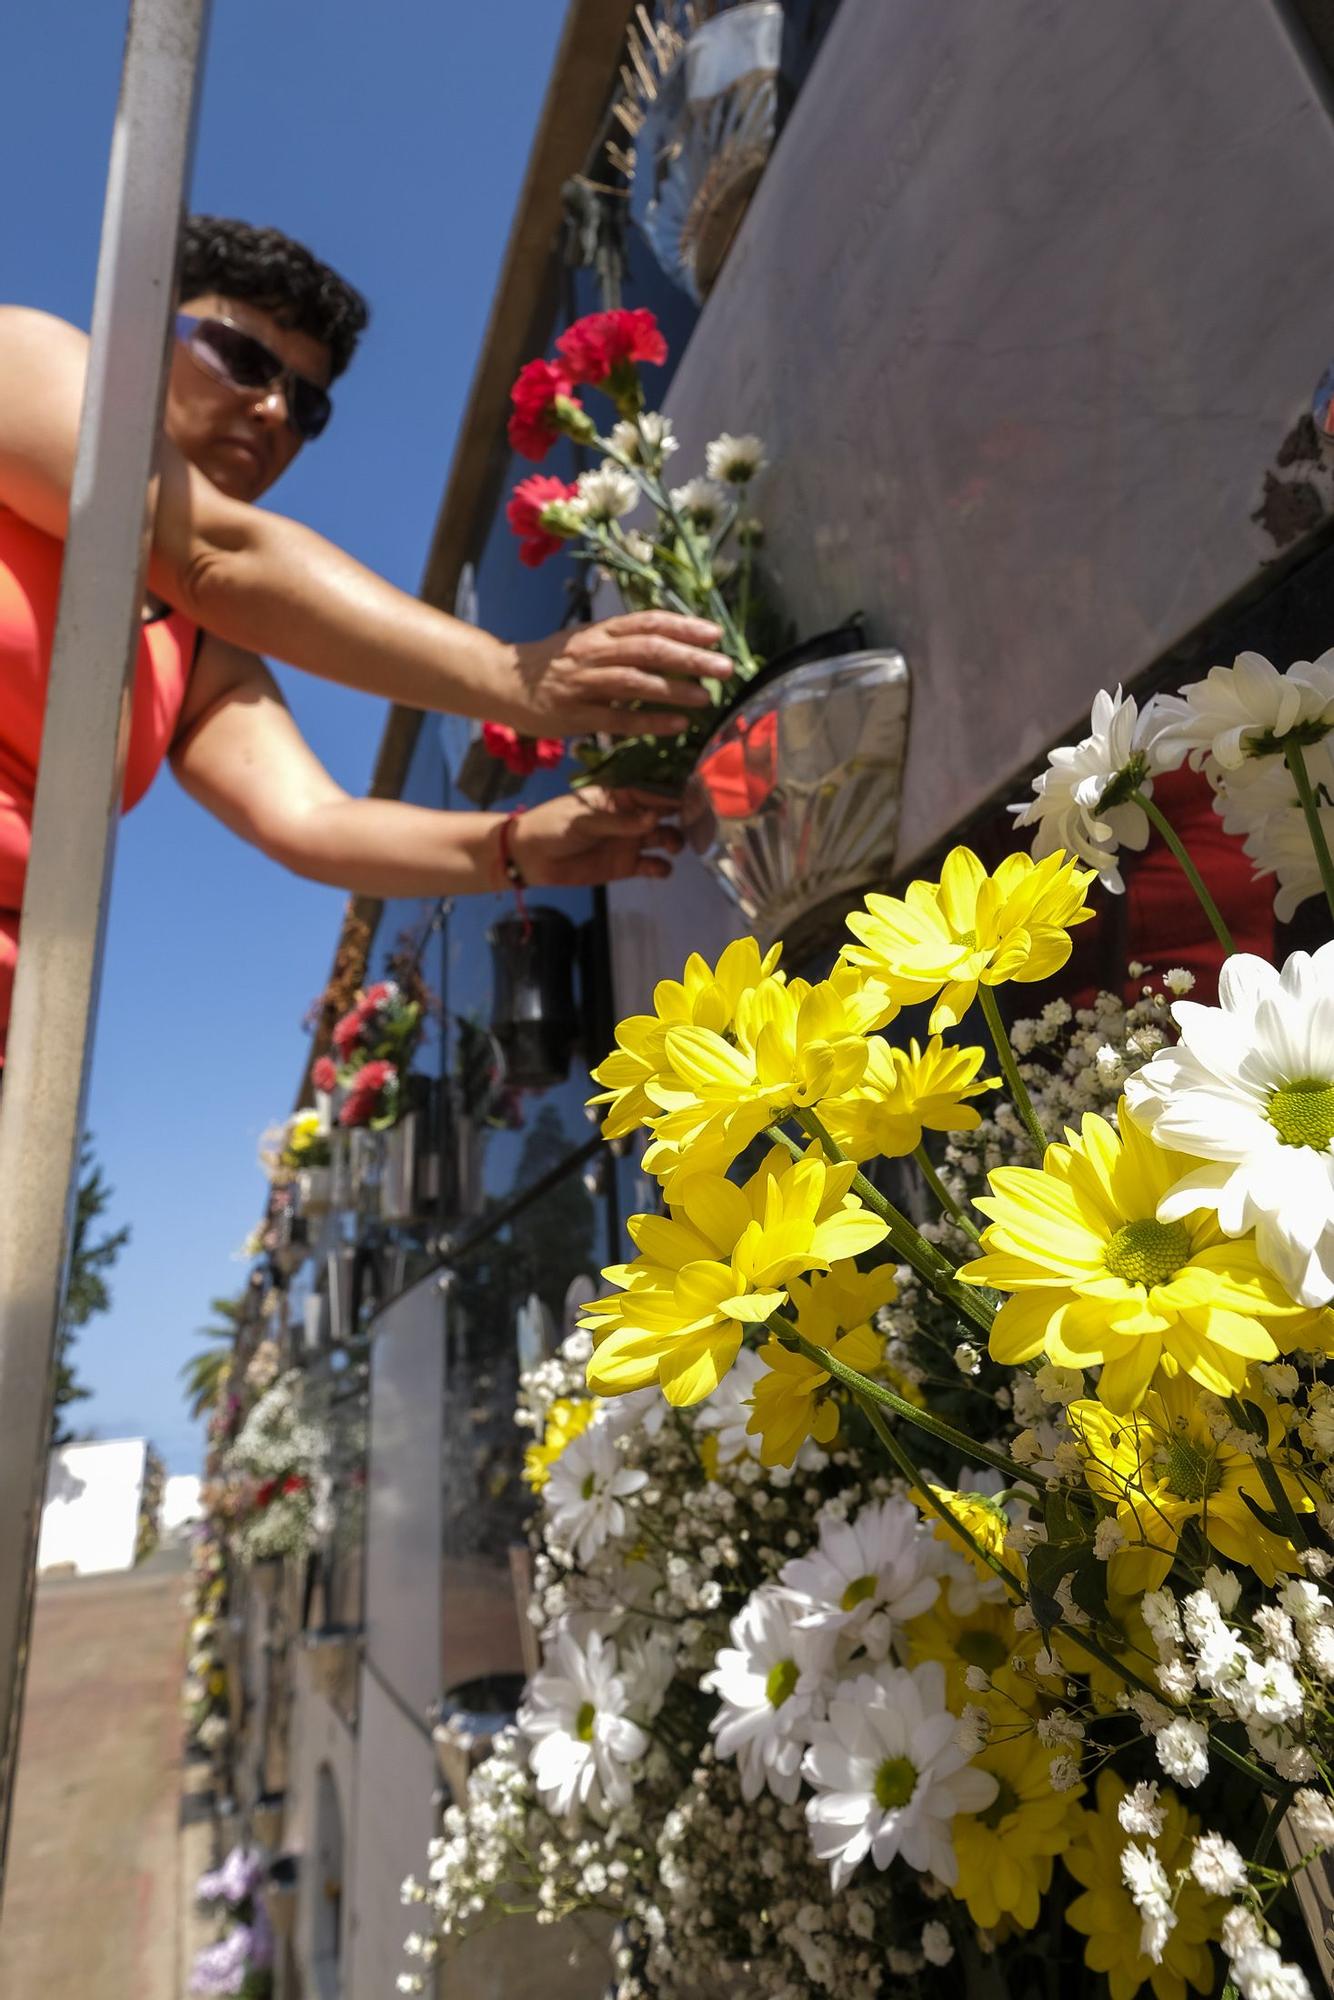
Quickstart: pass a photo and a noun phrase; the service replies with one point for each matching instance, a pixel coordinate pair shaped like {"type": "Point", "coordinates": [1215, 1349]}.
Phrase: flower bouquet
{"type": "Point", "coordinates": [946, 1602]}
{"type": "Point", "coordinates": [374, 1043]}
{"type": "Point", "coordinates": [689, 547]}
{"type": "Point", "coordinates": [292, 1148]}
{"type": "Point", "coordinates": [240, 1961]}
{"type": "Point", "coordinates": [275, 1466]}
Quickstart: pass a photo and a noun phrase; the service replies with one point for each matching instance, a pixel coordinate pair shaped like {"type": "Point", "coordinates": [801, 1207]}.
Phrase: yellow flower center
{"type": "Point", "coordinates": [781, 1682]}
{"type": "Point", "coordinates": [857, 1593]}
{"type": "Point", "coordinates": [1302, 1112]}
{"type": "Point", "coordinates": [583, 1722]}
{"type": "Point", "coordinates": [1006, 1801]}
{"type": "Point", "coordinates": [1189, 1472]}
{"type": "Point", "coordinates": [590, 1482]}
{"type": "Point", "coordinates": [982, 1649]}
{"type": "Point", "coordinates": [1148, 1252]}
{"type": "Point", "coordinates": [895, 1783]}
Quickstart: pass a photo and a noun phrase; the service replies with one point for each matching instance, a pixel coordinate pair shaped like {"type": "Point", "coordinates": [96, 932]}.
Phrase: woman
{"type": "Point", "coordinates": [263, 329]}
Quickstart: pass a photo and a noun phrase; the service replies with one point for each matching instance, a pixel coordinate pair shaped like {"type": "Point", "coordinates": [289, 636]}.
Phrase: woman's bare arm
{"type": "Point", "coordinates": [267, 584]}
{"type": "Point", "coordinates": [239, 753]}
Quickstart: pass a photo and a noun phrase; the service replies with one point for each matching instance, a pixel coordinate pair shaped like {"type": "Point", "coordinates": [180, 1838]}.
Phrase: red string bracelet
{"type": "Point", "coordinates": [510, 868]}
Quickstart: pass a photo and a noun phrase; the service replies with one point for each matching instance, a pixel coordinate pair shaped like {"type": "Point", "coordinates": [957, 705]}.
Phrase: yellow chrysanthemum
{"type": "Point", "coordinates": [903, 1092]}
{"type": "Point", "coordinates": [791, 1403]}
{"type": "Point", "coordinates": [985, 1520]}
{"type": "Point", "coordinates": [1005, 1853]}
{"type": "Point", "coordinates": [721, 1261]}
{"type": "Point", "coordinates": [1162, 1466]}
{"type": "Point", "coordinates": [789, 1045]}
{"type": "Point", "coordinates": [1096, 1278]}
{"type": "Point", "coordinates": [946, 938]}
{"type": "Point", "coordinates": [306, 1143]}
{"type": "Point", "coordinates": [567, 1419]}
{"type": "Point", "coordinates": [706, 997]}
{"type": "Point", "coordinates": [1106, 1915]}
{"type": "Point", "coordinates": [985, 1636]}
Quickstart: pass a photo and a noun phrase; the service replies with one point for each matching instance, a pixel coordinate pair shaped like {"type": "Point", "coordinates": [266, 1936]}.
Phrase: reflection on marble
{"type": "Point", "coordinates": [403, 1498]}
{"type": "Point", "coordinates": [1025, 305]}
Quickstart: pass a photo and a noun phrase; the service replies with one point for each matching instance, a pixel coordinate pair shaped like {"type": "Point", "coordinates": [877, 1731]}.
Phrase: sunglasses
{"type": "Point", "coordinates": [235, 357]}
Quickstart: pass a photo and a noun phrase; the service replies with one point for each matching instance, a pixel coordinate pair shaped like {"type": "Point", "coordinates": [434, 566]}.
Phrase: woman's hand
{"type": "Point", "coordinates": [585, 681]}
{"type": "Point", "coordinates": [594, 836]}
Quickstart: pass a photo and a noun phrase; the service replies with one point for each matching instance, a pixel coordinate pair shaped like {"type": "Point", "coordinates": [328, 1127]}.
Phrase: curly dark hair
{"type": "Point", "coordinates": [266, 268]}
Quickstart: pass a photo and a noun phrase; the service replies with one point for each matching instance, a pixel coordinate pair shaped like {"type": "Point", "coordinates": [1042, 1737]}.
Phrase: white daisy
{"type": "Point", "coordinates": [1258, 802]}
{"type": "Point", "coordinates": [574, 1714]}
{"type": "Point", "coordinates": [770, 1681]}
{"type": "Point", "coordinates": [1248, 708]}
{"type": "Point", "coordinates": [701, 501]}
{"type": "Point", "coordinates": [607, 494]}
{"type": "Point", "coordinates": [734, 461]}
{"type": "Point", "coordinates": [642, 1410]}
{"type": "Point", "coordinates": [583, 1496]}
{"type": "Point", "coordinates": [1249, 1090]}
{"type": "Point", "coordinates": [890, 1775]}
{"type": "Point", "coordinates": [639, 546]}
{"type": "Point", "coordinates": [646, 443]}
{"type": "Point", "coordinates": [1082, 803]}
{"type": "Point", "coordinates": [867, 1575]}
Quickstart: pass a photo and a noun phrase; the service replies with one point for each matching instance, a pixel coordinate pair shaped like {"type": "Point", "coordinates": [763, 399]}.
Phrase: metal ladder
{"type": "Point", "coordinates": [80, 781]}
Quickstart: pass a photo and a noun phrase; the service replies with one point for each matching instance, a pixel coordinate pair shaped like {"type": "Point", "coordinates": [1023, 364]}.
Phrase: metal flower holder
{"type": "Point", "coordinates": [467, 1722]}
{"type": "Point", "coordinates": [705, 140]}
{"type": "Point", "coordinates": [280, 1894]}
{"type": "Point", "coordinates": [266, 1818]}
{"type": "Point", "coordinates": [794, 801]}
{"type": "Point", "coordinates": [332, 1657]}
{"type": "Point", "coordinates": [535, 1016]}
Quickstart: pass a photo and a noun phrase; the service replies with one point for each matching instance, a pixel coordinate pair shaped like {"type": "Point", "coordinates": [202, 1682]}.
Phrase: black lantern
{"type": "Point", "coordinates": [534, 1016]}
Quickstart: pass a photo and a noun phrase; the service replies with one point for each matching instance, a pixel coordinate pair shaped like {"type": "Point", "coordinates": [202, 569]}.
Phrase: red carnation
{"type": "Point", "coordinates": [370, 1084]}
{"type": "Point", "coordinates": [347, 1032]}
{"type": "Point", "coordinates": [521, 754]}
{"type": "Point", "coordinates": [604, 349]}
{"type": "Point", "coordinates": [375, 996]}
{"type": "Point", "coordinates": [294, 1483]}
{"type": "Point", "coordinates": [524, 515]}
{"type": "Point", "coordinates": [324, 1075]}
{"type": "Point", "coordinates": [533, 427]}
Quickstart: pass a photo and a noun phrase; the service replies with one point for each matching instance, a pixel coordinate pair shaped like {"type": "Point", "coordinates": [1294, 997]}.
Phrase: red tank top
{"type": "Point", "coordinates": [30, 564]}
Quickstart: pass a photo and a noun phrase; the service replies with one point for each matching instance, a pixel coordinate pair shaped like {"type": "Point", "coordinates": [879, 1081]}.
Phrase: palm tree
{"type": "Point", "coordinates": [205, 1375]}
{"type": "Point", "coordinates": [87, 1292]}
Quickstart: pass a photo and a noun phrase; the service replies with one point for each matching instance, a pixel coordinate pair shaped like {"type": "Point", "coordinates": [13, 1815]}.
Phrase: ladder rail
{"type": "Point", "coordinates": [80, 780]}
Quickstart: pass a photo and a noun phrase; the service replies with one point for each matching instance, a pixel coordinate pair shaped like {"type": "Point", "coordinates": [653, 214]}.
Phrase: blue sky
{"type": "Point", "coordinates": [393, 142]}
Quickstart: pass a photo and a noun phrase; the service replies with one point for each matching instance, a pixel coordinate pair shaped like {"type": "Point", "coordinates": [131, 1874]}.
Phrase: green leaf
{"type": "Point", "coordinates": [1088, 1585]}
{"type": "Point", "coordinates": [1266, 1517]}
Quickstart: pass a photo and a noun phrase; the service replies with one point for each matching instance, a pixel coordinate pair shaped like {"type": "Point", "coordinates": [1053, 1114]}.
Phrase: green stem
{"type": "Point", "coordinates": [943, 1195]}
{"type": "Point", "coordinates": [1187, 867]}
{"type": "Point", "coordinates": [659, 496]}
{"type": "Point", "coordinates": [1301, 777]}
{"type": "Point", "coordinates": [931, 1267]}
{"type": "Point", "coordinates": [968, 1448]}
{"type": "Point", "coordinates": [903, 1459]}
{"type": "Point", "coordinates": [1005, 1055]}
{"type": "Point", "coordinates": [1270, 1828]}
